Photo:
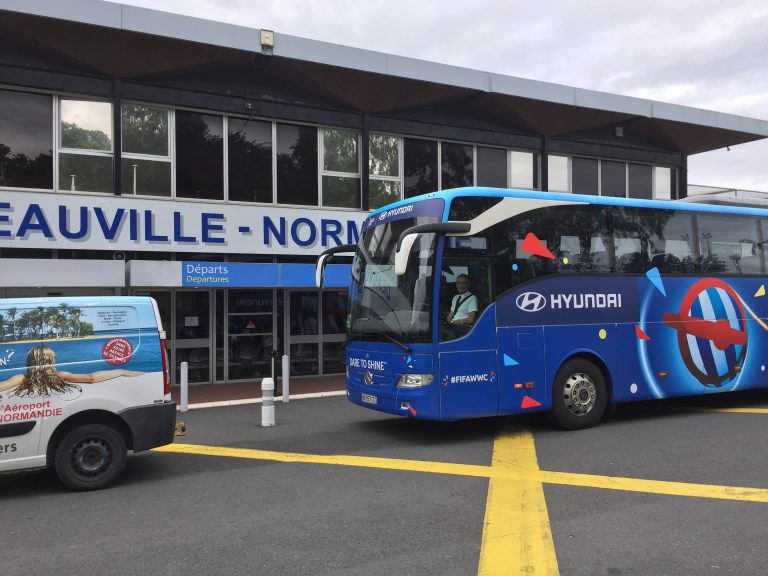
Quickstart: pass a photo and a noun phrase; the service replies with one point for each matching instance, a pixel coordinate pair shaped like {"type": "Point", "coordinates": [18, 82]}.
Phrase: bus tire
{"type": "Point", "coordinates": [90, 457]}
{"type": "Point", "coordinates": [579, 395]}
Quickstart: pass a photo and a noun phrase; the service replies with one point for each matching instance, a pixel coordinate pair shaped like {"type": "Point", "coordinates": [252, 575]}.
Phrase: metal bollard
{"type": "Point", "coordinates": [286, 379]}
{"type": "Point", "coordinates": [184, 386]}
{"type": "Point", "coordinates": [181, 428]}
{"type": "Point", "coordinates": [267, 402]}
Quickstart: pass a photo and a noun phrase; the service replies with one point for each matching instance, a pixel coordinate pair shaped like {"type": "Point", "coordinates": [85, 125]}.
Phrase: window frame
{"type": "Point", "coordinates": [322, 172]}
{"type": "Point", "coordinates": [170, 158]}
{"type": "Point", "coordinates": [59, 149]}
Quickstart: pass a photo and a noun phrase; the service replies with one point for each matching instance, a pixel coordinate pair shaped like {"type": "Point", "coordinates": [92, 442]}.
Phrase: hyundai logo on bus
{"type": "Point", "coordinates": [533, 301]}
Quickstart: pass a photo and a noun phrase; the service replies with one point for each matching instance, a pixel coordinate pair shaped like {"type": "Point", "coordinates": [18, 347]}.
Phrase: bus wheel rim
{"type": "Point", "coordinates": [579, 394]}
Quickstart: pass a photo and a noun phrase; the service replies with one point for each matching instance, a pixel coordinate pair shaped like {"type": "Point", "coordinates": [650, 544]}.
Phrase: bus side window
{"type": "Point", "coordinates": [728, 244]}
{"type": "Point", "coordinates": [671, 240]}
{"type": "Point", "coordinates": [630, 241]}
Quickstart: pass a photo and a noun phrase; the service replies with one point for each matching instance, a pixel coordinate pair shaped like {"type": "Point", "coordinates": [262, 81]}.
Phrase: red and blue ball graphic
{"type": "Point", "coordinates": [711, 331]}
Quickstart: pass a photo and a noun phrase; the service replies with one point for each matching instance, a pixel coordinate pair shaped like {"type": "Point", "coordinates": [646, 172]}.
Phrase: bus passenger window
{"type": "Point", "coordinates": [671, 240]}
{"type": "Point", "coordinates": [728, 244]}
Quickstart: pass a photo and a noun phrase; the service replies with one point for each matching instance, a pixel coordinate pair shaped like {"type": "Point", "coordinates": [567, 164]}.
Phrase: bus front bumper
{"type": "Point", "coordinates": [423, 402]}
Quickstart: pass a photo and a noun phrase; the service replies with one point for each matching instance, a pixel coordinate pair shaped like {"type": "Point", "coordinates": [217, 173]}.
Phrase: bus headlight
{"type": "Point", "coordinates": [414, 380]}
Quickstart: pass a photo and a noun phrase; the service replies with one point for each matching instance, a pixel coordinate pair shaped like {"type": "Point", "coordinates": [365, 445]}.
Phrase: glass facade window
{"type": "Point", "coordinates": [341, 192]}
{"type": "Point", "coordinates": [458, 165]}
{"type": "Point", "coordinates": [557, 169]}
{"type": "Point", "coordinates": [341, 168]}
{"type": "Point", "coordinates": [340, 151]}
{"type": "Point", "coordinates": [250, 160]}
{"type": "Point", "coordinates": [419, 166]}
{"type": "Point", "coordinates": [491, 167]}
{"type": "Point", "coordinates": [146, 159]}
{"type": "Point", "coordinates": [522, 169]}
{"type": "Point", "coordinates": [148, 177]}
{"type": "Point", "coordinates": [662, 183]}
{"type": "Point", "coordinates": [297, 174]}
{"type": "Point", "coordinates": [640, 181]}
{"type": "Point", "coordinates": [199, 156]}
{"type": "Point", "coordinates": [584, 176]}
{"type": "Point", "coordinates": [384, 155]}
{"type": "Point", "coordinates": [26, 140]}
{"type": "Point", "coordinates": [145, 130]}
{"type": "Point", "coordinates": [86, 125]}
{"type": "Point", "coordinates": [384, 185]}
{"type": "Point", "coordinates": [81, 172]}
{"type": "Point", "coordinates": [334, 357]}
{"type": "Point", "coordinates": [85, 145]}
{"type": "Point", "coordinates": [383, 192]}
{"type": "Point", "coordinates": [335, 311]}
{"type": "Point", "coordinates": [613, 178]}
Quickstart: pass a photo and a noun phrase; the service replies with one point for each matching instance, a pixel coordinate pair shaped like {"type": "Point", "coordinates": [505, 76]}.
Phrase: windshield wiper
{"type": "Point", "coordinates": [400, 345]}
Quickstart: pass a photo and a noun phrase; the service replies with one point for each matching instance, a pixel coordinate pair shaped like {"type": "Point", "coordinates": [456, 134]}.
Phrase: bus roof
{"type": "Point", "coordinates": [449, 195]}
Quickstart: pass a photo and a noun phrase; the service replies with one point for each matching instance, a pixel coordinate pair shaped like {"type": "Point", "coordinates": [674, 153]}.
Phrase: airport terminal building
{"type": "Point", "coordinates": [207, 164]}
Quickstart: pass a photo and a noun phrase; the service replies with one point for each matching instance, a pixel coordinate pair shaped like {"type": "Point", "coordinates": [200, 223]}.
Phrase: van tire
{"type": "Point", "coordinates": [90, 457]}
{"type": "Point", "coordinates": [579, 395]}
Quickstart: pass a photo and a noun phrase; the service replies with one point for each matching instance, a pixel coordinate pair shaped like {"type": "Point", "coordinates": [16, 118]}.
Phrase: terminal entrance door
{"type": "Point", "coordinates": [186, 317]}
{"type": "Point", "coordinates": [304, 332]}
{"type": "Point", "coordinates": [316, 331]}
{"type": "Point", "coordinates": [250, 334]}
{"type": "Point", "coordinates": [192, 335]}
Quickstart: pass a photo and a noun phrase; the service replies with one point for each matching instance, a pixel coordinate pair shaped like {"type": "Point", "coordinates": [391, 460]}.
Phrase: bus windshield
{"type": "Point", "coordinates": [384, 306]}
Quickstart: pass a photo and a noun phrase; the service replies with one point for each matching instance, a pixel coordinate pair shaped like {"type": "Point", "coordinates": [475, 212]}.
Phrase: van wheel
{"type": "Point", "coordinates": [579, 395]}
{"type": "Point", "coordinates": [90, 457]}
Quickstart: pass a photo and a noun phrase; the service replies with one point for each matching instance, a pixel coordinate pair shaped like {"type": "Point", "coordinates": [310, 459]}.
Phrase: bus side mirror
{"type": "Point", "coordinates": [403, 251]}
{"type": "Point", "coordinates": [325, 258]}
{"type": "Point", "coordinates": [320, 269]}
{"type": "Point", "coordinates": [409, 236]}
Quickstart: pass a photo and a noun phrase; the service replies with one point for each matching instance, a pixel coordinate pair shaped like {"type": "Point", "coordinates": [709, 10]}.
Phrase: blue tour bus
{"type": "Point", "coordinates": [580, 302]}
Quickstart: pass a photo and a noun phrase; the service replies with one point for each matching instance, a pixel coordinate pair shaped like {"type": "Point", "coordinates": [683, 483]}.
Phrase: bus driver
{"type": "Point", "coordinates": [464, 304]}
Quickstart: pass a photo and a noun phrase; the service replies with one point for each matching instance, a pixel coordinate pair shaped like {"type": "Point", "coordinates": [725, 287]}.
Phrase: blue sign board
{"type": "Point", "coordinates": [248, 275]}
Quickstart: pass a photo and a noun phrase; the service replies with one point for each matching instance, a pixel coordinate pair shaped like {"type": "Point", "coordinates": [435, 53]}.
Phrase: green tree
{"type": "Point", "coordinates": [73, 136]}
{"type": "Point", "coordinates": [145, 130]}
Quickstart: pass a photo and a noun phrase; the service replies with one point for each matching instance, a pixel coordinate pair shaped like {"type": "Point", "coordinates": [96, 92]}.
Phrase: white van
{"type": "Point", "coordinates": [82, 381]}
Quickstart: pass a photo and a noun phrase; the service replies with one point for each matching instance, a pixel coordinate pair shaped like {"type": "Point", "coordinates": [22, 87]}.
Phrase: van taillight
{"type": "Point", "coordinates": [166, 374]}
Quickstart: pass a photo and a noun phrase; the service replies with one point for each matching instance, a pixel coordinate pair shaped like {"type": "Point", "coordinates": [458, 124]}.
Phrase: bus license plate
{"type": "Point", "coordinates": [368, 398]}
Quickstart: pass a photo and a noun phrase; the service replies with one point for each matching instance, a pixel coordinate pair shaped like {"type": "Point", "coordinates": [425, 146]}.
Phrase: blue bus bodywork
{"type": "Point", "coordinates": [652, 336]}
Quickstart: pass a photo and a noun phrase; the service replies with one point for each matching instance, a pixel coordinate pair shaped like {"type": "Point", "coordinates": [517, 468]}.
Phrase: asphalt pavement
{"type": "Point", "coordinates": [673, 488]}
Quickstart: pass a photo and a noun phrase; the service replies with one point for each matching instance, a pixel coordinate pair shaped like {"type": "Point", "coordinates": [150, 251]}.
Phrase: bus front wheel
{"type": "Point", "coordinates": [579, 395]}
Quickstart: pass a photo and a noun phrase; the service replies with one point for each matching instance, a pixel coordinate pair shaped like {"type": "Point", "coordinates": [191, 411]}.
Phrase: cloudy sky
{"type": "Point", "coordinates": [710, 54]}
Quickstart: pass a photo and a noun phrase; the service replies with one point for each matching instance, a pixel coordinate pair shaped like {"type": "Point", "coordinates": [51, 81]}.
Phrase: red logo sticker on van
{"type": "Point", "coordinates": [117, 351]}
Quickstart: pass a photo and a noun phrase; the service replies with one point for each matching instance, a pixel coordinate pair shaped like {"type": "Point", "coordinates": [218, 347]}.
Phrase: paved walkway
{"type": "Point", "coordinates": [251, 390]}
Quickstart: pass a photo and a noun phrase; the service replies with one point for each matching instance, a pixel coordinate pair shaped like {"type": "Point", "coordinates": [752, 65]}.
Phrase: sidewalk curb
{"type": "Point", "coordinates": [222, 403]}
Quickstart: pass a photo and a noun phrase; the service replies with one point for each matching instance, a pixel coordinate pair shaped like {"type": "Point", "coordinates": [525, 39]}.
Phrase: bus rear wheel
{"type": "Point", "coordinates": [579, 395]}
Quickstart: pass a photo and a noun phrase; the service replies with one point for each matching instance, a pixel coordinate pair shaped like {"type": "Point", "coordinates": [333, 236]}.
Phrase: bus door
{"type": "Point", "coordinates": [467, 334]}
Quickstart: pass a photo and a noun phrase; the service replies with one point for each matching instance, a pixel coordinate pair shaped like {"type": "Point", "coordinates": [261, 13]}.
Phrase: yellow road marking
{"type": "Point", "coordinates": [509, 472]}
{"type": "Point", "coordinates": [707, 409]}
{"type": "Point", "coordinates": [734, 410]}
{"type": "Point", "coordinates": [517, 538]}
{"type": "Point", "coordinates": [656, 486]}
{"type": "Point", "coordinates": [339, 460]}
